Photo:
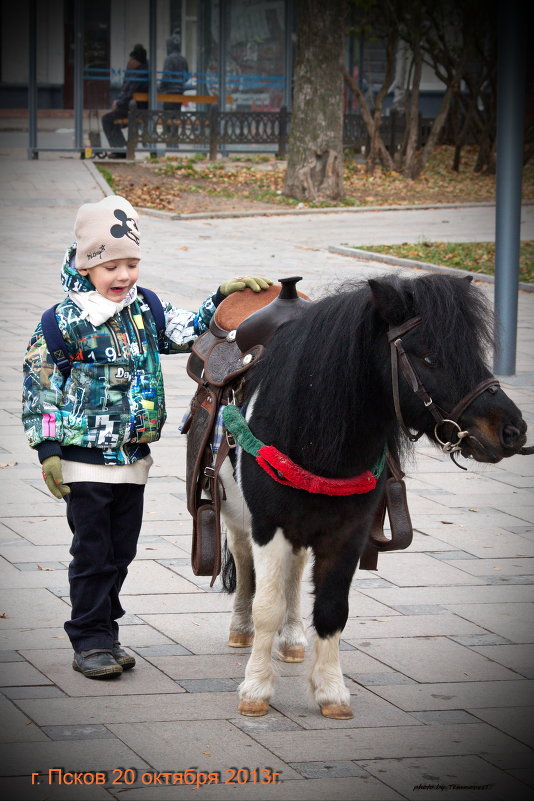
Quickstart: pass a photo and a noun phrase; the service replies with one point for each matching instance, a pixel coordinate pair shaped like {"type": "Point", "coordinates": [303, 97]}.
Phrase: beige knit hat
{"type": "Point", "coordinates": [106, 230]}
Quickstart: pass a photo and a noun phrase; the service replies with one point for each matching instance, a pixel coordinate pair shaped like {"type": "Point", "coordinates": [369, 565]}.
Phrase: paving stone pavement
{"type": "Point", "coordinates": [437, 651]}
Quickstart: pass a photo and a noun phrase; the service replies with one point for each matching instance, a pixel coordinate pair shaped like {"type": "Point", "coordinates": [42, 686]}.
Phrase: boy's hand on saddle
{"type": "Point", "coordinates": [54, 477]}
{"type": "Point", "coordinates": [256, 283]}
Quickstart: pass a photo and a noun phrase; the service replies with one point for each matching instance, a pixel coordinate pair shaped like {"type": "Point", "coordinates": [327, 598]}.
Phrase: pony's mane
{"type": "Point", "coordinates": [323, 369]}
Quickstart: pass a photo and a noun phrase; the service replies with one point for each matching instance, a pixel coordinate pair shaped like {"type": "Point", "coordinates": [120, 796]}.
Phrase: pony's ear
{"type": "Point", "coordinates": [468, 278]}
{"type": "Point", "coordinates": [388, 302]}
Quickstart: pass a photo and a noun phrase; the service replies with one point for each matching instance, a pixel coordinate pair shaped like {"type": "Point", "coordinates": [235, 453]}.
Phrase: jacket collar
{"type": "Point", "coordinates": [70, 277]}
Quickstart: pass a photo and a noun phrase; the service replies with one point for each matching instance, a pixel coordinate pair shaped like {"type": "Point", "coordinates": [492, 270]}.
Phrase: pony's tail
{"type": "Point", "coordinates": [228, 571]}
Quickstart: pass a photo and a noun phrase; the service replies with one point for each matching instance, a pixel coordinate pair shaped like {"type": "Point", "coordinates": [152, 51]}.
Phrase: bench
{"type": "Point", "coordinates": [137, 124]}
{"type": "Point", "coordinates": [208, 128]}
{"type": "Point", "coordinates": [142, 97]}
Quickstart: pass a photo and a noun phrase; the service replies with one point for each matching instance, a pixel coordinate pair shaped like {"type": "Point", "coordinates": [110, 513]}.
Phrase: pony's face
{"type": "Point", "coordinates": [446, 354]}
{"type": "Point", "coordinates": [494, 425]}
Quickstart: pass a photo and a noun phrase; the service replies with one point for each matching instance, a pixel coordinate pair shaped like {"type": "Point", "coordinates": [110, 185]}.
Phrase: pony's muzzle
{"type": "Point", "coordinates": [512, 437]}
{"type": "Point", "coordinates": [491, 440]}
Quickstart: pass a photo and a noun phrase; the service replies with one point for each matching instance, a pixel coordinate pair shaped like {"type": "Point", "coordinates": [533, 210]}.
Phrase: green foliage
{"type": "Point", "coordinates": [477, 257]}
{"type": "Point", "coordinates": [257, 158]}
{"type": "Point", "coordinates": [107, 176]}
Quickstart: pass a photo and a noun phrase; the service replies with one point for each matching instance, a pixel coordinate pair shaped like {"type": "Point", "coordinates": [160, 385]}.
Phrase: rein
{"type": "Point", "coordinates": [283, 470]}
{"type": "Point", "coordinates": [400, 359]}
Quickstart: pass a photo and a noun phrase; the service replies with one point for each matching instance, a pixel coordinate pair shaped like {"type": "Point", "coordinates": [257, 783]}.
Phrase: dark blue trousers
{"type": "Point", "coordinates": [113, 132]}
{"type": "Point", "coordinates": [105, 520]}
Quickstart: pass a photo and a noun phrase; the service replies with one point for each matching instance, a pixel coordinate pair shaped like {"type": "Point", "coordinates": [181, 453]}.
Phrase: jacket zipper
{"type": "Point", "coordinates": [114, 337]}
{"type": "Point", "coordinates": [136, 332]}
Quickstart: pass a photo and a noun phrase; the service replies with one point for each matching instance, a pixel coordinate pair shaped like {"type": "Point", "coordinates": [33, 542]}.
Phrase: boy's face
{"type": "Point", "coordinates": [113, 279]}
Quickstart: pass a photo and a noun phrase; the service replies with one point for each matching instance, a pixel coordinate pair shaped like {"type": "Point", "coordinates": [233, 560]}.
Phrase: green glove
{"type": "Point", "coordinates": [256, 283]}
{"type": "Point", "coordinates": [54, 477]}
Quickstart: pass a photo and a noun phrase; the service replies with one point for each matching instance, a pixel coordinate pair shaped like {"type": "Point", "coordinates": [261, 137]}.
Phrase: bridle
{"type": "Point", "coordinates": [400, 359]}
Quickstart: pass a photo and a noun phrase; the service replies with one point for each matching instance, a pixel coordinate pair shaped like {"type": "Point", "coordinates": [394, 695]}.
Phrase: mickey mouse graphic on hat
{"type": "Point", "coordinates": [128, 227]}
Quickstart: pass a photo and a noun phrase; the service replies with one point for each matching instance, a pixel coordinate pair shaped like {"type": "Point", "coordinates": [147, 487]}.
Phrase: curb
{"type": "Point", "coordinates": [98, 178]}
{"type": "Point", "coordinates": [207, 215]}
{"type": "Point", "coordinates": [396, 261]}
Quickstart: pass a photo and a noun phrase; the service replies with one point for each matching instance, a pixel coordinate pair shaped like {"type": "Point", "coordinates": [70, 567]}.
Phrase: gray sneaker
{"type": "Point", "coordinates": [122, 657]}
{"type": "Point", "coordinates": [96, 664]}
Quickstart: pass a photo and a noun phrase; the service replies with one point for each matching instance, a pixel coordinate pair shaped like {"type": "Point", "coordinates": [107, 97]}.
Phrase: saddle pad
{"type": "Point", "coordinates": [240, 305]}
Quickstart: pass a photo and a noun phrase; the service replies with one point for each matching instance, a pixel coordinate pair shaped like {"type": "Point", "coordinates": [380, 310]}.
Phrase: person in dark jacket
{"type": "Point", "coordinates": [175, 73]}
{"type": "Point", "coordinates": [136, 80]}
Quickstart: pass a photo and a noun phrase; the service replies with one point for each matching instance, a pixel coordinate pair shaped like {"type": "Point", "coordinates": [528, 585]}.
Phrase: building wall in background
{"type": "Point", "coordinates": [254, 47]}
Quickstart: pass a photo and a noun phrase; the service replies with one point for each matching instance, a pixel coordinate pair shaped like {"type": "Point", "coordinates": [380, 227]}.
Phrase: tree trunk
{"type": "Point", "coordinates": [376, 147]}
{"type": "Point", "coordinates": [412, 116]}
{"type": "Point", "coordinates": [467, 110]}
{"type": "Point", "coordinates": [315, 151]}
{"type": "Point", "coordinates": [380, 147]}
{"type": "Point", "coordinates": [423, 155]}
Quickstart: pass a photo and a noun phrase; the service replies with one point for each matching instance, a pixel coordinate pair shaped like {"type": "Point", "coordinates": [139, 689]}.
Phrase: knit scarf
{"type": "Point", "coordinates": [98, 309]}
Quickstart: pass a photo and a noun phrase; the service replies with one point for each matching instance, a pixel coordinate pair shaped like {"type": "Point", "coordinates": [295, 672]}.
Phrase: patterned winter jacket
{"type": "Point", "coordinates": [112, 404]}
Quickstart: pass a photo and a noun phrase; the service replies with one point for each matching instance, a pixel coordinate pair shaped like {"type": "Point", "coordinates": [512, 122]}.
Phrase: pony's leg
{"type": "Point", "coordinates": [268, 611]}
{"type": "Point", "coordinates": [327, 681]}
{"type": "Point", "coordinates": [241, 634]}
{"type": "Point", "coordinates": [236, 517]}
{"type": "Point", "coordinates": [333, 571]}
{"type": "Point", "coordinates": [292, 637]}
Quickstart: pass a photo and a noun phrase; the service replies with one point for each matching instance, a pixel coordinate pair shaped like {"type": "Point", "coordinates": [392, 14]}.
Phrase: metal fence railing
{"type": "Point", "coordinates": [213, 130]}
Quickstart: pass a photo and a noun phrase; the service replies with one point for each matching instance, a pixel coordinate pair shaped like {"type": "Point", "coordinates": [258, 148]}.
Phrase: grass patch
{"type": "Point", "coordinates": [107, 176]}
{"type": "Point", "coordinates": [477, 257]}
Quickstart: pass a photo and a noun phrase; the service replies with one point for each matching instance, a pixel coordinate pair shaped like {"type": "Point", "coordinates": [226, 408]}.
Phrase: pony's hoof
{"type": "Point", "coordinates": [337, 711]}
{"type": "Point", "coordinates": [291, 653]}
{"type": "Point", "coordinates": [253, 709]}
{"type": "Point", "coordinates": [238, 639]}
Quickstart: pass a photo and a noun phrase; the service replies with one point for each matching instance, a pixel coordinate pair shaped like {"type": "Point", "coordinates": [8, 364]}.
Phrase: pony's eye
{"type": "Point", "coordinates": [432, 360]}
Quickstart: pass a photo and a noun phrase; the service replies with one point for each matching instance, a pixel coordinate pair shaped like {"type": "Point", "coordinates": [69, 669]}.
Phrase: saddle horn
{"type": "Point", "coordinates": [259, 327]}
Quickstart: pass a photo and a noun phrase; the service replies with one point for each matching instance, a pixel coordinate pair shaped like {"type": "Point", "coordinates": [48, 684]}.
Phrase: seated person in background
{"type": "Point", "coordinates": [136, 80]}
{"type": "Point", "coordinates": [175, 73]}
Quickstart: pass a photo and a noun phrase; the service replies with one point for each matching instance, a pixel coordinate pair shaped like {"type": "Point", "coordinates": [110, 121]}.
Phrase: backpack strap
{"type": "Point", "coordinates": [55, 342]}
{"type": "Point", "coordinates": [158, 314]}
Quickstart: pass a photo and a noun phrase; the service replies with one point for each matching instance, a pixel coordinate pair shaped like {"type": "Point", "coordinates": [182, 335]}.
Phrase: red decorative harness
{"type": "Point", "coordinates": [283, 470]}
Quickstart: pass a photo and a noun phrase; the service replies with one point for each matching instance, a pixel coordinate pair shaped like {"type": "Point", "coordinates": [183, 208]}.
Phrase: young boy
{"type": "Point", "coordinates": [92, 429]}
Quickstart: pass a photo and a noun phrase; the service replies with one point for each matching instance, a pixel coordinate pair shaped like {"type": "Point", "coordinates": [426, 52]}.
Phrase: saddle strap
{"type": "Point", "coordinates": [204, 409]}
{"type": "Point", "coordinates": [206, 543]}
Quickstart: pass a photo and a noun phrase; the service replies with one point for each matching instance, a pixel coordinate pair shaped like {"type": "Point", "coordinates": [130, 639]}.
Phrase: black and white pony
{"type": "Point", "coordinates": [324, 395]}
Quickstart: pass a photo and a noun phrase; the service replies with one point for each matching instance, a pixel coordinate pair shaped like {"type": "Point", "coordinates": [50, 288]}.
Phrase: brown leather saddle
{"type": "Point", "coordinates": [217, 365]}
